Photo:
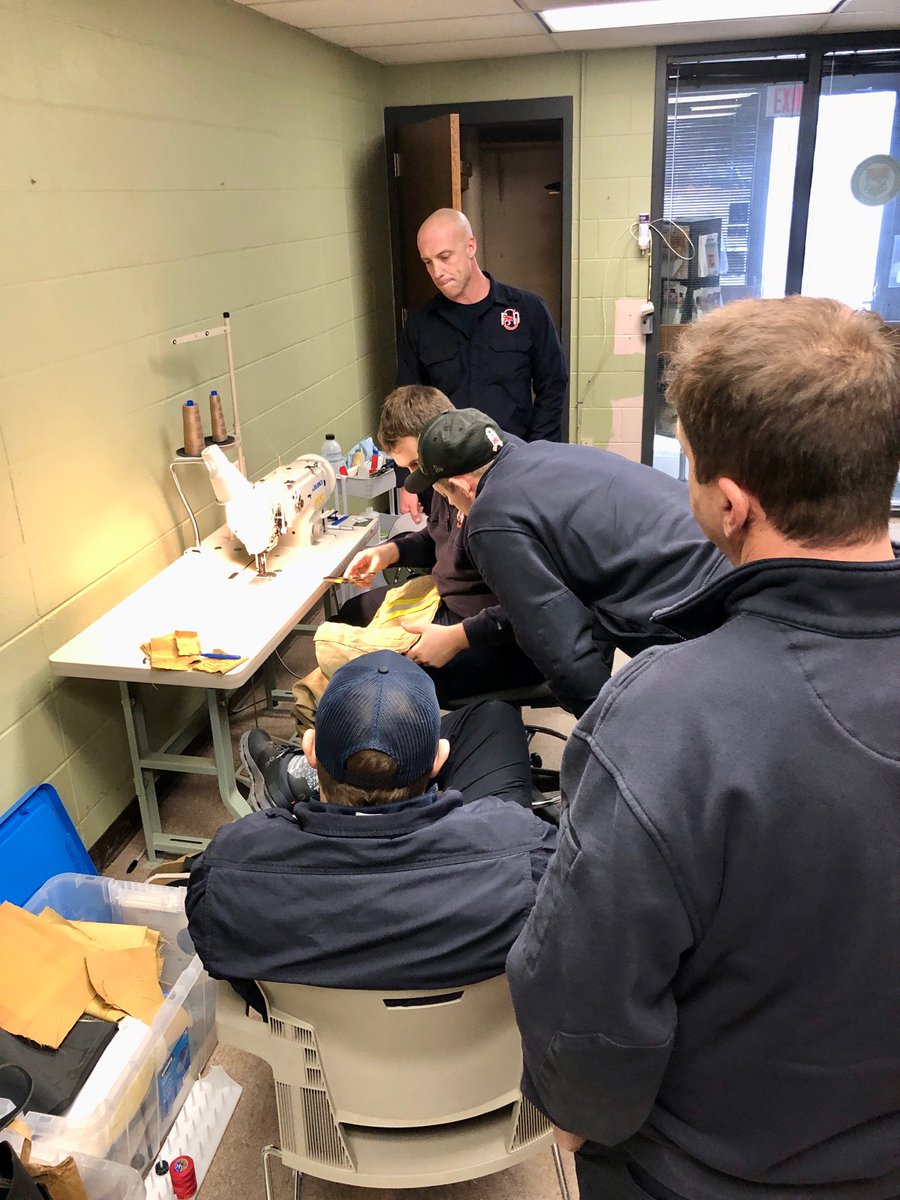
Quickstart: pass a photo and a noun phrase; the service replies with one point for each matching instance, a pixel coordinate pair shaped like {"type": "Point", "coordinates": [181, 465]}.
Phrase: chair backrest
{"type": "Point", "coordinates": [403, 1059]}
{"type": "Point", "coordinates": [392, 1088]}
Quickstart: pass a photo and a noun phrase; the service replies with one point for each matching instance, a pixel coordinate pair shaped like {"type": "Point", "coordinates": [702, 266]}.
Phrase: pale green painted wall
{"type": "Point", "coordinates": [159, 162]}
{"type": "Point", "coordinates": [613, 106]}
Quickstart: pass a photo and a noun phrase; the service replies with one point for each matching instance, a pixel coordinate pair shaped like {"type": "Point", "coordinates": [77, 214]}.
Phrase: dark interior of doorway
{"type": "Point", "coordinates": [517, 192]}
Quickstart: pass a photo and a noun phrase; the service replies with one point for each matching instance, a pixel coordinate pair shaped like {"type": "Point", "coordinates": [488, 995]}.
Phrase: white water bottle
{"type": "Point", "coordinates": [331, 451]}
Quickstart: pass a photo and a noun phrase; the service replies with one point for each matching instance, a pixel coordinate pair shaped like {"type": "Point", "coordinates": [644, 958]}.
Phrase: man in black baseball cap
{"type": "Point", "coordinates": [452, 444]}
{"type": "Point", "coordinates": [580, 546]}
{"type": "Point", "coordinates": [377, 879]}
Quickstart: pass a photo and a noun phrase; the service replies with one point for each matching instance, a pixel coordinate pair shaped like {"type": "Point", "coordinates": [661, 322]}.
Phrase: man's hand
{"type": "Point", "coordinates": [410, 504]}
{"type": "Point", "coordinates": [366, 565]}
{"type": "Point", "coordinates": [437, 644]}
{"type": "Point", "coordinates": [567, 1141]}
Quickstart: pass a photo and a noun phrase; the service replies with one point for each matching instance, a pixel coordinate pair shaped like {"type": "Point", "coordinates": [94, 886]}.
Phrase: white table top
{"type": "Point", "coordinates": [217, 592]}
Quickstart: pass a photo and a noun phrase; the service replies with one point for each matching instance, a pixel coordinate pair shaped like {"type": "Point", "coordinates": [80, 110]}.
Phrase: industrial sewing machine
{"type": "Point", "coordinates": [289, 500]}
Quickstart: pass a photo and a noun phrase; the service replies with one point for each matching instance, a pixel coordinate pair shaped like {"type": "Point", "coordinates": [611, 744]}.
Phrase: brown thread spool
{"type": "Point", "coordinates": [217, 418]}
{"type": "Point", "coordinates": [193, 429]}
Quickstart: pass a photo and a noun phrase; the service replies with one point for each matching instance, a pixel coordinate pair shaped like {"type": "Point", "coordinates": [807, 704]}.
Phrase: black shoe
{"type": "Point", "coordinates": [263, 759]}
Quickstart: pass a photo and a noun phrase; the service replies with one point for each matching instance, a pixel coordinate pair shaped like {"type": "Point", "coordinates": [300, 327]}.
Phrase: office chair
{"type": "Point", "coordinates": [392, 1089]}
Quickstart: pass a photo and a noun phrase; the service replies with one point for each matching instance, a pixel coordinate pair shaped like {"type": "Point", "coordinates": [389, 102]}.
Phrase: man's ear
{"type": "Point", "coordinates": [440, 758]}
{"type": "Point", "coordinates": [736, 508]}
{"type": "Point", "coordinates": [309, 746]}
{"type": "Point", "coordinates": [465, 486]}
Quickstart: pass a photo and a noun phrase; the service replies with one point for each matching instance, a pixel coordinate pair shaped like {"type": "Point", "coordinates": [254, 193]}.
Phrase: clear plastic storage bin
{"type": "Point", "coordinates": [102, 1180]}
{"type": "Point", "coordinates": [130, 1124]}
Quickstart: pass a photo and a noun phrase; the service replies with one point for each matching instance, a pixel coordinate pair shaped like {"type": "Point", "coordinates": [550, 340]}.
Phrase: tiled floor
{"type": "Point", "coordinates": [193, 807]}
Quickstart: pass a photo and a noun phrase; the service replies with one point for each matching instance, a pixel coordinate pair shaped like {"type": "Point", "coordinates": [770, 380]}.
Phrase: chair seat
{"type": "Point", "coordinates": [424, 1157]}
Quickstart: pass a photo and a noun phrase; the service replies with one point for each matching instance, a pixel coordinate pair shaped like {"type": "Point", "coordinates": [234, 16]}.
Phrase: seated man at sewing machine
{"type": "Point", "coordinates": [468, 648]}
{"type": "Point", "coordinates": [413, 866]}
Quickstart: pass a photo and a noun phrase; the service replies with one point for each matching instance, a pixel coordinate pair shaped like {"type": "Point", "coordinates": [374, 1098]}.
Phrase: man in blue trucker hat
{"type": "Point", "coordinates": [413, 865]}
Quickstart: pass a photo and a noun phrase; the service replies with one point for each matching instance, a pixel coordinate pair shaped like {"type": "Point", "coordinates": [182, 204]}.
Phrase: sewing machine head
{"type": "Point", "coordinates": [289, 501]}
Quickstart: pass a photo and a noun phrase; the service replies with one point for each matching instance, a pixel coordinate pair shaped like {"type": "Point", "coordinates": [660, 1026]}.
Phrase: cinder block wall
{"type": "Point", "coordinates": [161, 162]}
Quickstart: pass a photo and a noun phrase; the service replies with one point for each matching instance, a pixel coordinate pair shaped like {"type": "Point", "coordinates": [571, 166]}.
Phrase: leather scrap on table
{"type": "Point", "coordinates": [180, 651]}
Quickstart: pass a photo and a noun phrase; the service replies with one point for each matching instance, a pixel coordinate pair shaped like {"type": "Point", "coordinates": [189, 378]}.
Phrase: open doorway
{"type": "Point", "coordinates": [508, 166]}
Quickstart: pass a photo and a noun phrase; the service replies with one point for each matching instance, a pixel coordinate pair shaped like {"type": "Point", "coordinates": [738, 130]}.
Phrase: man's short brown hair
{"type": "Point", "coordinates": [407, 411]}
{"type": "Point", "coordinates": [798, 401]}
{"type": "Point", "coordinates": [378, 769]}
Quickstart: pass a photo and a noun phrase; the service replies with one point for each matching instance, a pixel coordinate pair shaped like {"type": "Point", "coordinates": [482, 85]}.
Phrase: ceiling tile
{"type": "Point", "coordinates": [461, 51]}
{"type": "Point", "coordinates": [846, 20]}
{"type": "Point", "coordinates": [409, 33]}
{"type": "Point", "coordinates": [311, 14]}
{"type": "Point", "coordinates": [886, 8]}
{"type": "Point", "coordinates": [421, 31]}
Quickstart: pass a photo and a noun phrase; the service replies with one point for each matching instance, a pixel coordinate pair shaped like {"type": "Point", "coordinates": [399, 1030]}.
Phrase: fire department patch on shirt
{"type": "Point", "coordinates": [509, 318]}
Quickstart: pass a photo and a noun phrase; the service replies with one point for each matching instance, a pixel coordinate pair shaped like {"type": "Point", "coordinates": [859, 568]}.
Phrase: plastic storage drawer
{"type": "Point", "coordinates": [130, 1124]}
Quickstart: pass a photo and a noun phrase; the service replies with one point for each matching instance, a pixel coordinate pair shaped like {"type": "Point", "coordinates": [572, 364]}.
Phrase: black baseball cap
{"type": "Point", "coordinates": [452, 444]}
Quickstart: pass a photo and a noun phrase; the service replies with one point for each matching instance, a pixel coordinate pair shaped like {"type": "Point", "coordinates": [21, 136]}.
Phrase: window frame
{"type": "Point", "coordinates": [814, 48]}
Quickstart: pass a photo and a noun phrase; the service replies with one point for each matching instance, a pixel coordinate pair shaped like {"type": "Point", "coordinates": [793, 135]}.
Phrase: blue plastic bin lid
{"type": "Point", "coordinates": [38, 841]}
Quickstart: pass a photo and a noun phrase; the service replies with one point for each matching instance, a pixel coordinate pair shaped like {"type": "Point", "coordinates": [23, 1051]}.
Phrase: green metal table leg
{"type": "Point", "coordinates": [217, 703]}
{"type": "Point", "coordinates": [144, 780]}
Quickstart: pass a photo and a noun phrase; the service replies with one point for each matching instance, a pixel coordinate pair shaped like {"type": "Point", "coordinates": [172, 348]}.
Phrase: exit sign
{"type": "Point", "coordinates": [784, 100]}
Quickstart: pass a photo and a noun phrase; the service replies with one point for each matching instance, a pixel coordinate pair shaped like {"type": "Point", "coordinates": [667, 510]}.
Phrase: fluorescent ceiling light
{"type": "Point", "coordinates": [679, 117]}
{"type": "Point", "coordinates": [619, 14]}
{"type": "Point", "coordinates": [714, 107]}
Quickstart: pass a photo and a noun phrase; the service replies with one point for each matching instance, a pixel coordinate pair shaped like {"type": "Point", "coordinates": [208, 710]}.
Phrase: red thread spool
{"type": "Point", "coordinates": [183, 1176]}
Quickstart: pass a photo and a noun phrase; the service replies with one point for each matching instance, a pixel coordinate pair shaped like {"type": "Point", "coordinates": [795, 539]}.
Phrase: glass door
{"type": "Point", "coordinates": [853, 231]}
{"type": "Point", "coordinates": [731, 152]}
{"type": "Point", "coordinates": [781, 173]}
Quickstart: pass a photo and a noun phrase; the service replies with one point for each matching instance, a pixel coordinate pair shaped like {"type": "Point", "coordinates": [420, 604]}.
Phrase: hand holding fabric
{"type": "Point", "coordinates": [437, 644]}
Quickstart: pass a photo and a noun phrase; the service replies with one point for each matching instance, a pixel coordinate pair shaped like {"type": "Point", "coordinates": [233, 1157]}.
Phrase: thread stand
{"type": "Point", "coordinates": [209, 441]}
{"type": "Point", "coordinates": [198, 1129]}
{"type": "Point", "coordinates": [200, 335]}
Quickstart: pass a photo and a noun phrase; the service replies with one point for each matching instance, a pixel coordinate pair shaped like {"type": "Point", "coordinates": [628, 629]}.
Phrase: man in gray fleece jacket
{"type": "Point", "coordinates": [708, 985]}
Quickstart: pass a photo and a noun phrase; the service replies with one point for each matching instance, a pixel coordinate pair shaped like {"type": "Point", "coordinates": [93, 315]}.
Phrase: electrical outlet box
{"type": "Point", "coordinates": [587, 441]}
{"type": "Point", "coordinates": [643, 232]}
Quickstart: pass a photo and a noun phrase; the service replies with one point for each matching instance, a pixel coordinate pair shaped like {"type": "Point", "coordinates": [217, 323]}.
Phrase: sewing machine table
{"type": "Point", "coordinates": [215, 591]}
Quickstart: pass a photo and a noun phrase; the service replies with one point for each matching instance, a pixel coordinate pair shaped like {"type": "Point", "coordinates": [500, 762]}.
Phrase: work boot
{"type": "Point", "coordinates": [279, 773]}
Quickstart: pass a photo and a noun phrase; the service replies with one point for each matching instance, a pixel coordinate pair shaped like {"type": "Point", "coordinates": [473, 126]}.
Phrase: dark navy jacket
{"type": "Point", "coordinates": [581, 547]}
{"type": "Point", "coordinates": [512, 366]}
{"type": "Point", "coordinates": [711, 974]}
{"type": "Point", "coordinates": [426, 893]}
{"type": "Point", "coordinates": [440, 546]}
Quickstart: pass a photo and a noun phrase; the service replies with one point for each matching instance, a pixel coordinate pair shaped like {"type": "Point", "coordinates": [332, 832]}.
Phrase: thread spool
{"type": "Point", "coordinates": [193, 429]}
{"type": "Point", "coordinates": [183, 1176]}
{"type": "Point", "coordinates": [217, 418]}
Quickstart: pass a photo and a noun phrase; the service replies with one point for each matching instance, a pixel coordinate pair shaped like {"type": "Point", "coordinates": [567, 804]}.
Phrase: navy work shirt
{"type": "Point", "coordinates": [509, 363]}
